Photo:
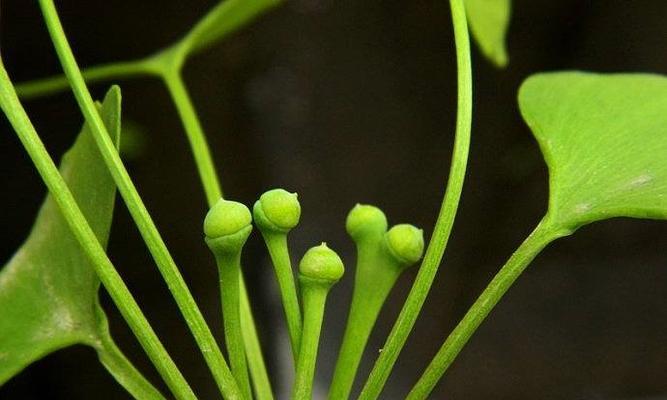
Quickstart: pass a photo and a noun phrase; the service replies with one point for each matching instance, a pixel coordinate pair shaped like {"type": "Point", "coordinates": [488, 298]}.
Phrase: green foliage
{"type": "Point", "coordinates": [489, 20]}
{"type": "Point", "coordinates": [48, 290]}
{"type": "Point", "coordinates": [604, 138]}
{"type": "Point", "coordinates": [225, 18]}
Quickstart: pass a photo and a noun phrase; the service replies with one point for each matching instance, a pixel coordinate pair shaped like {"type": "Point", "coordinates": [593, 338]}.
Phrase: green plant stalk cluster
{"type": "Point", "coordinates": [119, 293]}
{"type": "Point", "coordinates": [381, 257]}
{"type": "Point", "coordinates": [203, 160]}
{"type": "Point", "coordinates": [156, 65]}
{"type": "Point", "coordinates": [167, 64]}
{"type": "Point", "coordinates": [147, 228]}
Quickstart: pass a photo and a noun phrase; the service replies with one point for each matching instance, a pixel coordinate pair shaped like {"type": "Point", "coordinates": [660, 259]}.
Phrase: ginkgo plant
{"type": "Point", "coordinates": [603, 137]}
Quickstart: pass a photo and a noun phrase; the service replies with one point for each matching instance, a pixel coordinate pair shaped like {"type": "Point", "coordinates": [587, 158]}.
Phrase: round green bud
{"type": "Point", "coordinates": [277, 210]}
{"type": "Point", "coordinates": [406, 243]}
{"type": "Point", "coordinates": [365, 219]}
{"type": "Point", "coordinates": [227, 227]}
{"type": "Point", "coordinates": [226, 218]}
{"type": "Point", "coordinates": [321, 263]}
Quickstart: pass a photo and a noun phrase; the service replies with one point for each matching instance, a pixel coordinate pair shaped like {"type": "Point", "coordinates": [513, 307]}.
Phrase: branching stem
{"type": "Point", "coordinates": [517, 263]}
{"type": "Point", "coordinates": [124, 372]}
{"type": "Point", "coordinates": [56, 84]}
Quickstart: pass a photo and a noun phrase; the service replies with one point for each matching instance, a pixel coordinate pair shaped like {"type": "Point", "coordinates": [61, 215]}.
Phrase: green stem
{"type": "Point", "coordinates": [445, 221]}
{"type": "Point", "coordinates": [195, 134]}
{"type": "Point", "coordinates": [374, 278]}
{"type": "Point", "coordinates": [59, 83]}
{"type": "Point", "coordinates": [229, 269]}
{"type": "Point", "coordinates": [260, 377]}
{"type": "Point", "coordinates": [517, 263]}
{"type": "Point", "coordinates": [224, 19]}
{"type": "Point", "coordinates": [137, 209]}
{"type": "Point", "coordinates": [108, 275]}
{"type": "Point", "coordinates": [276, 243]}
{"type": "Point", "coordinates": [314, 300]}
{"type": "Point", "coordinates": [124, 372]}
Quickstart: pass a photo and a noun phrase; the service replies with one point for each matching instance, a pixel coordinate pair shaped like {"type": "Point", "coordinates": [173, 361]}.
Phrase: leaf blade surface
{"type": "Point", "coordinates": [48, 290]}
{"type": "Point", "coordinates": [604, 138]}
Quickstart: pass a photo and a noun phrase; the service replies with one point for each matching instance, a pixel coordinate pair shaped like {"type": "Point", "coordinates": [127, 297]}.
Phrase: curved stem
{"type": "Point", "coordinates": [517, 263]}
{"type": "Point", "coordinates": [124, 372]}
{"type": "Point", "coordinates": [161, 64]}
{"type": "Point", "coordinates": [104, 72]}
{"type": "Point", "coordinates": [137, 209]}
{"type": "Point", "coordinates": [445, 221]}
{"type": "Point", "coordinates": [77, 222]}
{"type": "Point", "coordinates": [195, 134]}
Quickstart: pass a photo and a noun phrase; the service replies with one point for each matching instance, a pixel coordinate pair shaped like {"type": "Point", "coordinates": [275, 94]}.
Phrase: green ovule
{"type": "Point", "coordinates": [381, 258]}
{"type": "Point", "coordinates": [276, 213]}
{"type": "Point", "coordinates": [406, 243]}
{"type": "Point", "coordinates": [277, 210]}
{"type": "Point", "coordinates": [319, 269]}
{"type": "Point", "coordinates": [227, 227]}
{"type": "Point", "coordinates": [365, 223]}
{"type": "Point", "coordinates": [604, 138]}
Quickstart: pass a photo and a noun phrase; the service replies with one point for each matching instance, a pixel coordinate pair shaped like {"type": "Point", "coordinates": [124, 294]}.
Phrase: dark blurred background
{"type": "Point", "coordinates": [354, 101]}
